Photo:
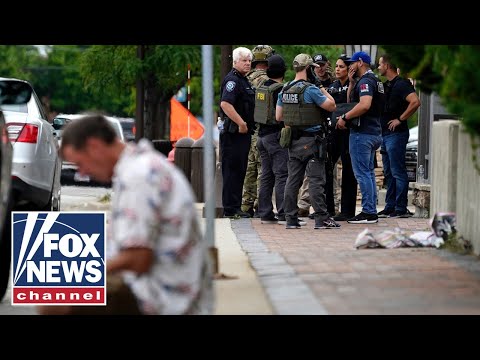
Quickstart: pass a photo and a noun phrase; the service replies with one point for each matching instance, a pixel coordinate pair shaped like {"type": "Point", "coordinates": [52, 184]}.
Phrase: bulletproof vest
{"type": "Point", "coordinates": [378, 100]}
{"type": "Point", "coordinates": [296, 112]}
{"type": "Point", "coordinates": [257, 77]}
{"type": "Point", "coordinates": [265, 103]}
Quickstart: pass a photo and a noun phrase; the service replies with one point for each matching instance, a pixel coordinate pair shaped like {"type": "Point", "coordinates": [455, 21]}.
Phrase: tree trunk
{"type": "Point", "coordinates": [152, 97]}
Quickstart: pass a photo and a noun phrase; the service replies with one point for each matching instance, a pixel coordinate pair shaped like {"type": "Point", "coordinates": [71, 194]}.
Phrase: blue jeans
{"type": "Point", "coordinates": [393, 158]}
{"type": "Point", "coordinates": [362, 153]}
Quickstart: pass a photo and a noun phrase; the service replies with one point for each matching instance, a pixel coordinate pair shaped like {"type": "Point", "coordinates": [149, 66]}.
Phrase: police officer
{"type": "Point", "coordinates": [257, 76]}
{"type": "Point", "coordinates": [273, 157]}
{"type": "Point", "coordinates": [237, 105]}
{"type": "Point", "coordinates": [338, 148]}
{"type": "Point", "coordinates": [401, 102]}
{"type": "Point", "coordinates": [366, 138]}
{"type": "Point", "coordinates": [299, 106]}
{"type": "Point", "coordinates": [320, 75]}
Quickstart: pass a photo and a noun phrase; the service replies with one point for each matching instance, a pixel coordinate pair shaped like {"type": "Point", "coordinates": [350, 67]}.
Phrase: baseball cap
{"type": "Point", "coordinates": [276, 66]}
{"type": "Point", "coordinates": [346, 59]}
{"type": "Point", "coordinates": [320, 58]}
{"type": "Point", "coordinates": [359, 55]}
{"type": "Point", "coordinates": [303, 60]}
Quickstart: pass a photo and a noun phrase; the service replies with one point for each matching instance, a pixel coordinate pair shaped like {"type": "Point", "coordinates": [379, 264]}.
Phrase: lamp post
{"type": "Point", "coordinates": [369, 49]}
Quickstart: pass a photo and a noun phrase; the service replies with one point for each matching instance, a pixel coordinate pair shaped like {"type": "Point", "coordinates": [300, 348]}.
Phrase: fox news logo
{"type": "Point", "coordinates": [58, 258]}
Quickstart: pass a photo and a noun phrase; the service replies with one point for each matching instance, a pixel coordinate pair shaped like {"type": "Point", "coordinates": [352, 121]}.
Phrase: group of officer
{"type": "Point", "coordinates": [278, 134]}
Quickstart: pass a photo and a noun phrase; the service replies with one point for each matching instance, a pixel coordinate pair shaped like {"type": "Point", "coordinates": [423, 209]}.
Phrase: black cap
{"type": "Point", "coordinates": [345, 58]}
{"type": "Point", "coordinates": [276, 67]}
{"type": "Point", "coordinates": [319, 59]}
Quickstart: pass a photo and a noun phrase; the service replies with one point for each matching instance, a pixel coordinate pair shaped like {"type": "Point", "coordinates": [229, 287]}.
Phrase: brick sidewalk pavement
{"type": "Point", "coordinates": [308, 271]}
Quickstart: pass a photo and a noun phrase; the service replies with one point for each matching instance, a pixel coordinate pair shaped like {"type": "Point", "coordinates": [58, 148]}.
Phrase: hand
{"type": "Point", "coordinates": [242, 128]}
{"type": "Point", "coordinates": [392, 124]}
{"type": "Point", "coordinates": [341, 124]}
{"type": "Point", "coordinates": [351, 75]}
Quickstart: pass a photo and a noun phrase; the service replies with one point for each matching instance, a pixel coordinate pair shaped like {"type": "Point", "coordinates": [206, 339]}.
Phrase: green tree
{"type": "Point", "coordinates": [450, 71]}
{"type": "Point", "coordinates": [115, 69]}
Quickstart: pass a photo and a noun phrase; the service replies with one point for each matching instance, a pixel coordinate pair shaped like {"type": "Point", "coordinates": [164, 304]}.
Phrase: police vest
{"type": "Point", "coordinates": [296, 112]}
{"type": "Point", "coordinates": [265, 104]}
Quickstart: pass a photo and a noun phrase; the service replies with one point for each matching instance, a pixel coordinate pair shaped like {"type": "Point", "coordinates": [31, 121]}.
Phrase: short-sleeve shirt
{"type": "Point", "coordinates": [370, 121]}
{"type": "Point", "coordinates": [237, 90]}
{"type": "Point", "coordinates": [396, 92]}
{"type": "Point", "coordinates": [153, 206]}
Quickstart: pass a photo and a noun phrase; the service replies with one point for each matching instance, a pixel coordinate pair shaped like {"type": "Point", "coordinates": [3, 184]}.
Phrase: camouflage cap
{"type": "Point", "coordinates": [303, 60]}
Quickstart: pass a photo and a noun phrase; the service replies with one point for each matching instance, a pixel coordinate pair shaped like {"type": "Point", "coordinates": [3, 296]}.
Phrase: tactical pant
{"type": "Point", "coordinates": [303, 159]}
{"type": "Point", "coordinates": [251, 183]}
{"type": "Point", "coordinates": [274, 160]}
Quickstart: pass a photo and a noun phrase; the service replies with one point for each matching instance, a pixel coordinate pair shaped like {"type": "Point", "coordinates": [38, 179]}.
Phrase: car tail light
{"type": "Point", "coordinates": [26, 133]}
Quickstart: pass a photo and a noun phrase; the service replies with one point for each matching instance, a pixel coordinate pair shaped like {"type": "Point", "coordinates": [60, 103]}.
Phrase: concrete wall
{"type": "Point", "coordinates": [468, 192]}
{"type": "Point", "coordinates": [444, 166]}
{"type": "Point", "coordinates": [455, 181]}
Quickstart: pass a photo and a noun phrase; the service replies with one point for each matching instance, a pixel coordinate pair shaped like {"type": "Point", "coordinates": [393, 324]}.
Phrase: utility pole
{"type": "Point", "coordinates": [225, 67]}
{"type": "Point", "coordinates": [140, 99]}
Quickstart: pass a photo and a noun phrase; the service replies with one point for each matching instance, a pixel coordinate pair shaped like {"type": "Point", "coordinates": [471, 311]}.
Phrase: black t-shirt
{"type": "Point", "coordinates": [396, 91]}
{"type": "Point", "coordinates": [266, 129]}
{"type": "Point", "coordinates": [236, 90]}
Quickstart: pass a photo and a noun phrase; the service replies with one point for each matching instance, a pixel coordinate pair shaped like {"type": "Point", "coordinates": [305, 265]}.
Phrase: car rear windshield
{"type": "Point", "coordinates": [22, 108]}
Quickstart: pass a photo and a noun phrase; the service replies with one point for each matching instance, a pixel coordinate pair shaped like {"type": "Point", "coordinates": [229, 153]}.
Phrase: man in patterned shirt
{"type": "Point", "coordinates": [155, 244]}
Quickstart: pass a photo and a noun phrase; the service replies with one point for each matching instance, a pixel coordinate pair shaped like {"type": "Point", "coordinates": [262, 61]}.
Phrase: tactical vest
{"type": "Point", "coordinates": [257, 77]}
{"type": "Point", "coordinates": [265, 104]}
{"type": "Point", "coordinates": [296, 112]}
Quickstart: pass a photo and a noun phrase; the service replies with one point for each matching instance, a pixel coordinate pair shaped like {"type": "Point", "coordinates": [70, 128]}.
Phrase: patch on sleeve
{"type": "Point", "coordinates": [364, 88]}
{"type": "Point", "coordinates": [230, 86]}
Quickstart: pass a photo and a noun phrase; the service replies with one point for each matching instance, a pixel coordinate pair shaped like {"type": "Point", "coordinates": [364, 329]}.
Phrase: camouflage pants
{"type": "Point", "coordinates": [251, 184]}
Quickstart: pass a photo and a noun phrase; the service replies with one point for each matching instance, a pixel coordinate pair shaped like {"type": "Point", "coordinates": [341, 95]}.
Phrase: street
{"type": "Point", "coordinates": [74, 198]}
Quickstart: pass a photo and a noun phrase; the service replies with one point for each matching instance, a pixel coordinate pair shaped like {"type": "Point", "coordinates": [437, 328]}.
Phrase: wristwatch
{"type": "Point", "coordinates": [344, 116]}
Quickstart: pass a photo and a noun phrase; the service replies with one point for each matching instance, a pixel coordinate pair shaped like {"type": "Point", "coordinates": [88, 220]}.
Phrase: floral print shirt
{"type": "Point", "coordinates": [153, 206]}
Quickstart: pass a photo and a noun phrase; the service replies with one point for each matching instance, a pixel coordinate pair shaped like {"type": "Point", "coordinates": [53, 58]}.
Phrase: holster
{"type": "Point", "coordinates": [285, 137]}
{"type": "Point", "coordinates": [229, 125]}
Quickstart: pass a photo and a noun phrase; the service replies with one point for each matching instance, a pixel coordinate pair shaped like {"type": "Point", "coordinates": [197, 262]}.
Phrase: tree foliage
{"type": "Point", "coordinates": [450, 71]}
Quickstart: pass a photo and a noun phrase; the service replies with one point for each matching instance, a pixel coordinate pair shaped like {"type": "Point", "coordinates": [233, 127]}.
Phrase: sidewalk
{"type": "Point", "coordinates": [308, 271]}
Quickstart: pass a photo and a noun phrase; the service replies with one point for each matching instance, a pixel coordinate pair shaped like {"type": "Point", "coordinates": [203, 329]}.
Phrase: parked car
{"type": "Point", "coordinates": [69, 171]}
{"type": "Point", "coordinates": [128, 126]}
{"type": "Point", "coordinates": [36, 163]}
{"type": "Point", "coordinates": [11, 92]}
{"type": "Point", "coordinates": [411, 154]}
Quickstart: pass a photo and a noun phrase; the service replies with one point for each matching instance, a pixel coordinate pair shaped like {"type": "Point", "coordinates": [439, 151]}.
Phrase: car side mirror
{"type": "Point", "coordinates": [14, 92]}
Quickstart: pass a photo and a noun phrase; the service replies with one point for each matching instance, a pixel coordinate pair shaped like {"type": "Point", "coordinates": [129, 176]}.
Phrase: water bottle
{"type": "Point", "coordinates": [421, 174]}
{"type": "Point", "coordinates": [220, 124]}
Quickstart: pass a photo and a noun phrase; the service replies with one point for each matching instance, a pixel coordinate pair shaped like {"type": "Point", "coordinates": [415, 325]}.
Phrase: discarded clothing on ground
{"type": "Point", "coordinates": [442, 225]}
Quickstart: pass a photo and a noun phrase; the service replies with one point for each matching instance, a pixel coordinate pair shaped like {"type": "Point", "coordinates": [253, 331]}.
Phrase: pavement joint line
{"type": "Point", "coordinates": [273, 265]}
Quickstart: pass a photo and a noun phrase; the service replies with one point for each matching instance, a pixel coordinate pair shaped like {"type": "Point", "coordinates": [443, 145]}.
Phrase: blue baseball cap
{"type": "Point", "coordinates": [359, 55]}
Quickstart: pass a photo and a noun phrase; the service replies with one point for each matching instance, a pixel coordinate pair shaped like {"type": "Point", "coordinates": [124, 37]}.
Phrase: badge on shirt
{"type": "Point", "coordinates": [364, 88]}
{"type": "Point", "coordinates": [230, 86]}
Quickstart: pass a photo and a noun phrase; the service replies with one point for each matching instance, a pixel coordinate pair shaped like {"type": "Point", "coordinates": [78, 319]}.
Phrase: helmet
{"type": "Point", "coordinates": [261, 53]}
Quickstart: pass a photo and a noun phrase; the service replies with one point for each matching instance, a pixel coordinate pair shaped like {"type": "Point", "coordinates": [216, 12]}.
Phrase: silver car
{"type": "Point", "coordinates": [36, 163]}
{"type": "Point", "coordinates": [11, 92]}
{"type": "Point", "coordinates": [69, 170]}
